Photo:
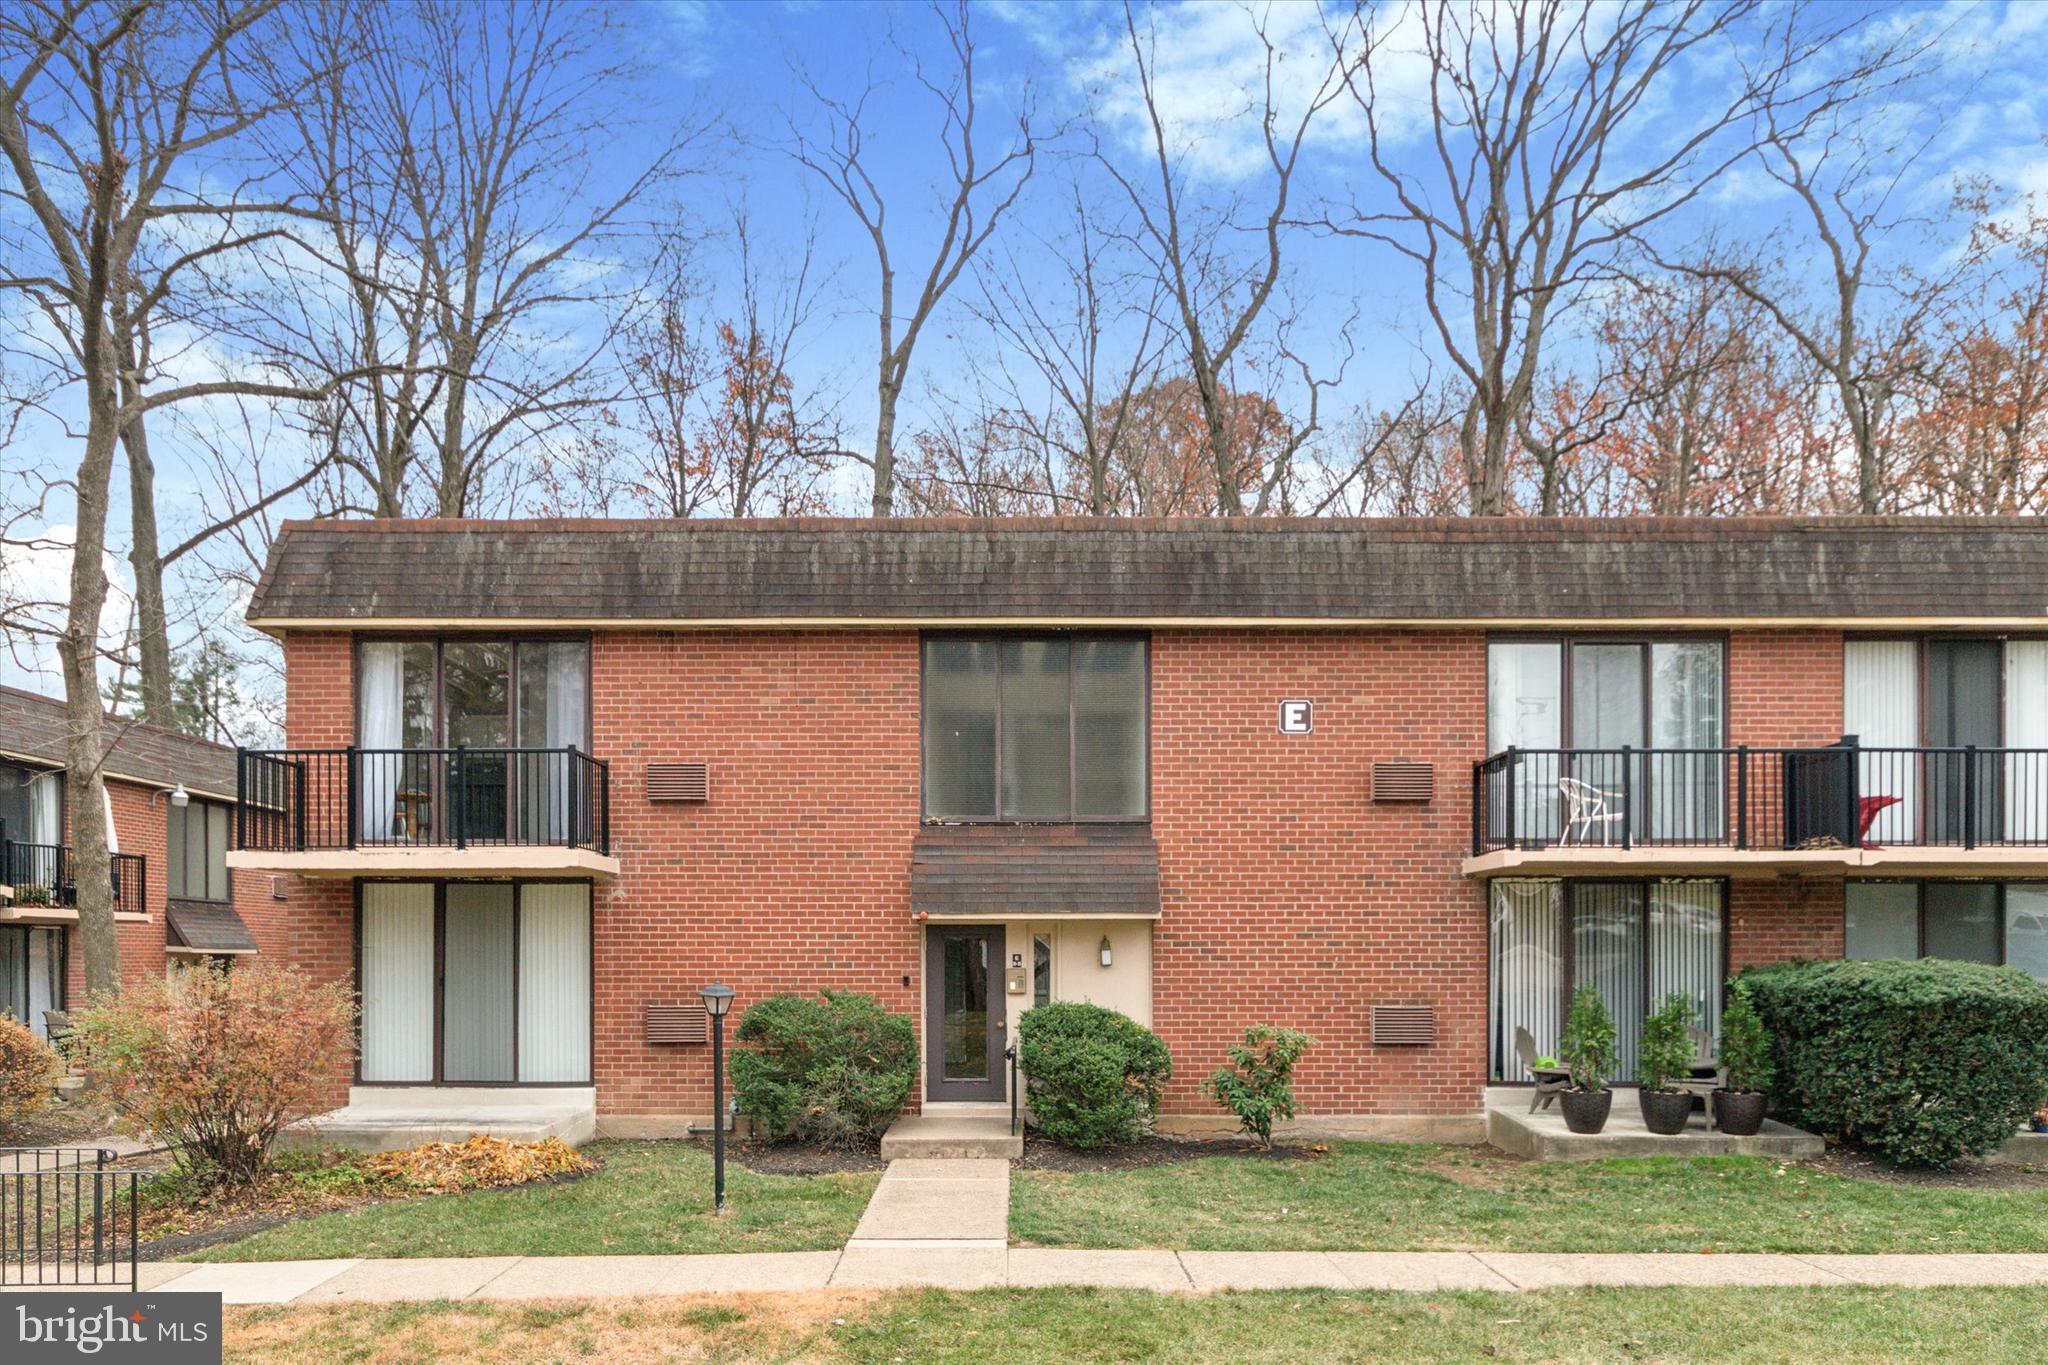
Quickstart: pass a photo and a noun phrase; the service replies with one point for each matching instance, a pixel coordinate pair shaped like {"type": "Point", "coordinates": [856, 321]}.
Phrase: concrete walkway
{"type": "Point", "coordinates": [909, 1263]}
{"type": "Point", "coordinates": [932, 1220]}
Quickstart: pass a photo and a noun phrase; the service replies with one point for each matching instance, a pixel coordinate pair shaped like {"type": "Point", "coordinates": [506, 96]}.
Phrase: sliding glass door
{"type": "Point", "coordinates": [31, 975]}
{"type": "Point", "coordinates": [475, 983]}
{"type": "Point", "coordinates": [1634, 942]}
{"type": "Point", "coordinates": [488, 697]}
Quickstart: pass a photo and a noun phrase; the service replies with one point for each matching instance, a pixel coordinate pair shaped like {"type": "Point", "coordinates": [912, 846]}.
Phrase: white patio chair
{"type": "Point", "coordinates": [1586, 806]}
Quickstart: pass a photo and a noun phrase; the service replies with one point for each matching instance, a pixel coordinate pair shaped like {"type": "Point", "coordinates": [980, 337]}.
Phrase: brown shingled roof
{"type": "Point", "coordinates": [207, 927]}
{"type": "Point", "coordinates": [34, 727]}
{"type": "Point", "coordinates": [1294, 569]}
{"type": "Point", "coordinates": [1106, 869]}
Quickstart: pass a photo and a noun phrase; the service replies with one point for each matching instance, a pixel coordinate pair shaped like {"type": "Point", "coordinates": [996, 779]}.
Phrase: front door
{"type": "Point", "coordinates": [965, 1027]}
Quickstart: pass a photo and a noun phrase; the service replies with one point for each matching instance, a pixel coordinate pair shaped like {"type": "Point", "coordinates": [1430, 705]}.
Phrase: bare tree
{"type": "Point", "coordinates": [1550, 145]}
{"type": "Point", "coordinates": [980, 191]}
{"type": "Point", "coordinates": [1218, 300]}
{"type": "Point", "coordinates": [454, 152]}
{"type": "Point", "coordinates": [1075, 399]}
{"type": "Point", "coordinates": [100, 104]}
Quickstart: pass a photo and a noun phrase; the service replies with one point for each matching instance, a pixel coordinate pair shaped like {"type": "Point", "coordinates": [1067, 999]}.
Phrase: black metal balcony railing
{"type": "Point", "coordinates": [296, 800]}
{"type": "Point", "coordinates": [41, 874]}
{"type": "Point", "coordinates": [1839, 796]}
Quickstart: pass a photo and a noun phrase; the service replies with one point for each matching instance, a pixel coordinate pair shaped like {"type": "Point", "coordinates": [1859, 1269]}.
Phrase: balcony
{"type": "Point", "coordinates": [1757, 812]}
{"type": "Point", "coordinates": [37, 882]}
{"type": "Point", "coordinates": [425, 812]}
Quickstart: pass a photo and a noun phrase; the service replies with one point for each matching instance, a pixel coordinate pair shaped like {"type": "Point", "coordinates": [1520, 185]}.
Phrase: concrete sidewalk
{"type": "Point", "coordinates": [908, 1263]}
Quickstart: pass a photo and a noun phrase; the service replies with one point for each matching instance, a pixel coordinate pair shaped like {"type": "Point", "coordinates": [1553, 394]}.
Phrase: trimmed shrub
{"type": "Point", "coordinates": [28, 1068]}
{"type": "Point", "coordinates": [1926, 1062]}
{"type": "Point", "coordinates": [217, 1063]}
{"type": "Point", "coordinates": [1588, 1043]}
{"type": "Point", "coordinates": [1258, 1085]}
{"type": "Point", "coordinates": [1093, 1076]}
{"type": "Point", "coordinates": [834, 1070]}
{"type": "Point", "coordinates": [1745, 1046]}
{"type": "Point", "coordinates": [1667, 1049]}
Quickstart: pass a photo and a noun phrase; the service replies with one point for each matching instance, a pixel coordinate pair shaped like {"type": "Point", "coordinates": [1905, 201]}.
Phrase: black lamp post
{"type": "Point", "coordinates": [717, 998]}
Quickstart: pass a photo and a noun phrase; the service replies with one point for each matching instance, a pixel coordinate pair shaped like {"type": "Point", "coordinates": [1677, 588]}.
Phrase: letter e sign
{"type": "Point", "coordinates": [1297, 717]}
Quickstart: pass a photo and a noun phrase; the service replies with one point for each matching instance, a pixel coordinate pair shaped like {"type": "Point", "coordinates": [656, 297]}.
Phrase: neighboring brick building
{"type": "Point", "coordinates": [171, 903]}
{"type": "Point", "coordinates": [1400, 784]}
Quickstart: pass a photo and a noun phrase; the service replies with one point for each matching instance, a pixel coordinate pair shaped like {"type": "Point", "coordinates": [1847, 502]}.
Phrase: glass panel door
{"type": "Point", "coordinates": [476, 710]}
{"type": "Point", "coordinates": [1683, 791]}
{"type": "Point", "coordinates": [1881, 707]}
{"type": "Point", "coordinates": [554, 713]}
{"type": "Point", "coordinates": [1685, 948]}
{"type": "Point", "coordinates": [2026, 928]}
{"type": "Point", "coordinates": [966, 1013]}
{"type": "Point", "coordinates": [2026, 730]}
{"type": "Point", "coordinates": [396, 970]}
{"type": "Point", "coordinates": [478, 951]}
{"type": "Point", "coordinates": [1607, 713]}
{"type": "Point", "coordinates": [966, 1009]}
{"type": "Point", "coordinates": [1607, 954]}
{"type": "Point", "coordinates": [1962, 709]}
{"type": "Point", "coordinates": [1527, 970]}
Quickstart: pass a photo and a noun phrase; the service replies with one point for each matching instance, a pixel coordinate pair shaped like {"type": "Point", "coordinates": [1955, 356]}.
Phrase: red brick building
{"type": "Point", "coordinates": [168, 812]}
{"type": "Point", "coordinates": [1403, 785]}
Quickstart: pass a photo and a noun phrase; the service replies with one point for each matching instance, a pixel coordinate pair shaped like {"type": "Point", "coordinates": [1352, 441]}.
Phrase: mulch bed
{"type": "Point", "coordinates": [1968, 1175]}
{"type": "Point", "coordinates": [794, 1158]}
{"type": "Point", "coordinates": [1042, 1154]}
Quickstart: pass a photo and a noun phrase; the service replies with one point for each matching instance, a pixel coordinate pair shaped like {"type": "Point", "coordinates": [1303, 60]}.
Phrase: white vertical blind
{"type": "Point", "coordinates": [1685, 948]}
{"type": "Point", "coordinates": [1525, 708]}
{"type": "Point", "coordinates": [398, 982]}
{"type": "Point", "coordinates": [43, 960]}
{"type": "Point", "coordinates": [1881, 707]}
{"type": "Point", "coordinates": [2026, 727]}
{"type": "Point", "coordinates": [554, 982]}
{"type": "Point", "coordinates": [1527, 970]}
{"type": "Point", "coordinates": [1607, 954]}
{"type": "Point", "coordinates": [476, 993]}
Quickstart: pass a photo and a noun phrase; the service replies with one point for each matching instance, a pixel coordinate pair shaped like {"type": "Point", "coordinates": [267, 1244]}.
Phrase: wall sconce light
{"type": "Point", "coordinates": [1106, 959]}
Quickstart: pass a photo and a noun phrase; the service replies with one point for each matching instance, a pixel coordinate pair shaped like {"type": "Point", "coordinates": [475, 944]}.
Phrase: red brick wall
{"type": "Point", "coordinates": [1290, 897]}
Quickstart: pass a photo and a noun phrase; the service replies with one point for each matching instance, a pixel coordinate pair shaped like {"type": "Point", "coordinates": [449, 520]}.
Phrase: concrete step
{"type": "Point", "coordinates": [951, 1135]}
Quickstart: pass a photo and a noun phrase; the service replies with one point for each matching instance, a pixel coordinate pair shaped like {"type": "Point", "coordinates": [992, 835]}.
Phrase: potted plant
{"type": "Point", "coordinates": [1666, 1059]}
{"type": "Point", "coordinates": [1587, 1051]}
{"type": "Point", "coordinates": [1746, 1052]}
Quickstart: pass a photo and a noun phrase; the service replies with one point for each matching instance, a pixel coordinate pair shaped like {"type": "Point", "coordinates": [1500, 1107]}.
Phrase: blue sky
{"type": "Point", "coordinates": [1980, 111]}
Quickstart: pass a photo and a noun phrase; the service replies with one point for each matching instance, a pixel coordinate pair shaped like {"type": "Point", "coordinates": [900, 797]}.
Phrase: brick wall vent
{"type": "Point", "coordinates": [678, 782]}
{"type": "Point", "coordinates": [1403, 1025]}
{"type": "Point", "coordinates": [677, 1024]}
{"type": "Point", "coordinates": [1404, 781]}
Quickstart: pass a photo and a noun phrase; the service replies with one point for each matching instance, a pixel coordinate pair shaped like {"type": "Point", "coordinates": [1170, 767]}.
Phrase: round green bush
{"type": "Point", "coordinates": [1926, 1061]}
{"type": "Point", "coordinates": [834, 1070]}
{"type": "Point", "coordinates": [1093, 1076]}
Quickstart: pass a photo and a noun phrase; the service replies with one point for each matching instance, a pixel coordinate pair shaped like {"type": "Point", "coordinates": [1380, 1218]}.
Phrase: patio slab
{"type": "Point", "coordinates": [1542, 1136]}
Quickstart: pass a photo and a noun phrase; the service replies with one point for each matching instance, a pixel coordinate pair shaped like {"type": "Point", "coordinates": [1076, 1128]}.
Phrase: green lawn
{"type": "Point", "coordinates": [1004, 1325]}
{"type": "Point", "coordinates": [650, 1198]}
{"type": "Point", "coordinates": [1379, 1197]}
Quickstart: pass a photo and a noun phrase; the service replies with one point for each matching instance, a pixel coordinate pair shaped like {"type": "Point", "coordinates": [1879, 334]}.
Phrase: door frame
{"type": "Point", "coordinates": [936, 1087]}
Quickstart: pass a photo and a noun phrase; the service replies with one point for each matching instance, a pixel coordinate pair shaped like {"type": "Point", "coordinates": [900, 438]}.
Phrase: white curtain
{"type": "Point", "coordinates": [45, 808]}
{"type": "Point", "coordinates": [1526, 970]}
{"type": "Point", "coordinates": [1685, 789]}
{"type": "Point", "coordinates": [381, 725]}
{"type": "Point", "coordinates": [398, 982]}
{"type": "Point", "coordinates": [2026, 728]}
{"type": "Point", "coordinates": [1881, 707]}
{"type": "Point", "coordinates": [554, 982]}
{"type": "Point", "coordinates": [43, 959]}
{"type": "Point", "coordinates": [554, 712]}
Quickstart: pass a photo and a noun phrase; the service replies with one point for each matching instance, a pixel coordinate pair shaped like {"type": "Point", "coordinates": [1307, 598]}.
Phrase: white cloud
{"type": "Point", "coordinates": [35, 583]}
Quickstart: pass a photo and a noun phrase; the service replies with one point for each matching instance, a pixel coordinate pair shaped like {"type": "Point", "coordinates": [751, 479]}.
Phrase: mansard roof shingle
{"type": "Point", "coordinates": [33, 726]}
{"type": "Point", "coordinates": [1281, 569]}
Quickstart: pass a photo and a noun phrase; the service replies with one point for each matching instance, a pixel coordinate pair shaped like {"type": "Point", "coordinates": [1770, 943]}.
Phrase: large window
{"type": "Point", "coordinates": [483, 695]}
{"type": "Point", "coordinates": [1635, 942]}
{"type": "Point", "coordinates": [31, 975]}
{"type": "Point", "coordinates": [475, 983]}
{"type": "Point", "coordinates": [31, 804]}
{"type": "Point", "coordinates": [1049, 728]}
{"type": "Point", "coordinates": [1599, 696]}
{"type": "Point", "coordinates": [196, 852]}
{"type": "Point", "coordinates": [1992, 922]}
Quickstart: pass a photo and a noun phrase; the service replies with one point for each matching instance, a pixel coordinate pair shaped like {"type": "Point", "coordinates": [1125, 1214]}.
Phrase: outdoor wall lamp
{"type": "Point", "coordinates": [177, 796]}
{"type": "Point", "coordinates": [1106, 959]}
{"type": "Point", "coordinates": [717, 998]}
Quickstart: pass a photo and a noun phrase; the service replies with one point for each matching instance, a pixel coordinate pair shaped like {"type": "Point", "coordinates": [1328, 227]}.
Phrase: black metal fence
{"type": "Point", "coordinates": [1835, 796]}
{"type": "Point", "coordinates": [292, 800]}
{"type": "Point", "coordinates": [42, 874]}
{"type": "Point", "coordinates": [67, 1217]}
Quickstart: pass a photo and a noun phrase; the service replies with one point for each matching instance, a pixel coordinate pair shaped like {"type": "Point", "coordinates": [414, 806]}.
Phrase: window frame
{"type": "Point", "coordinates": [1921, 642]}
{"type": "Point", "coordinates": [171, 891]}
{"type": "Point", "coordinates": [1643, 640]}
{"type": "Point", "coordinates": [440, 639]}
{"type": "Point", "coordinates": [440, 885]}
{"type": "Point", "coordinates": [1920, 885]}
{"type": "Point", "coordinates": [999, 638]}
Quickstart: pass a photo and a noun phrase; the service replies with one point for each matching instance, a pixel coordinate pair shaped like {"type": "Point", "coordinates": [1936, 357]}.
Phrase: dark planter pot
{"type": "Point", "coordinates": [1740, 1113]}
{"type": "Point", "coordinates": [1585, 1111]}
{"type": "Point", "coordinates": [1665, 1112]}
